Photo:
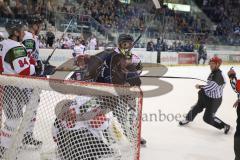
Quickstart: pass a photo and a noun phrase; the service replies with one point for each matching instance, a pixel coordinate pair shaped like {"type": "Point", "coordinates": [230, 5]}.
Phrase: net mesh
{"type": "Point", "coordinates": [75, 123]}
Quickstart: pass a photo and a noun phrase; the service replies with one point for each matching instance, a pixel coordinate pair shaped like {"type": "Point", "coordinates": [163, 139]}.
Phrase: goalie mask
{"type": "Point", "coordinates": [62, 108]}
{"type": "Point", "coordinates": [125, 43]}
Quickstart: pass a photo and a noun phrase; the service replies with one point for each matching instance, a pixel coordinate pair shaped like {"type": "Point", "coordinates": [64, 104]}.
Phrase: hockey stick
{"type": "Point", "coordinates": [65, 69]}
{"type": "Point", "coordinates": [157, 5]}
{"type": "Point", "coordinates": [174, 77]}
{"type": "Point", "coordinates": [50, 56]}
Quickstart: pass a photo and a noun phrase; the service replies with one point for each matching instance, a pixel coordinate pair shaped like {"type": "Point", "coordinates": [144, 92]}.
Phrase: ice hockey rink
{"type": "Point", "coordinates": [197, 141]}
{"type": "Point", "coordinates": [166, 140]}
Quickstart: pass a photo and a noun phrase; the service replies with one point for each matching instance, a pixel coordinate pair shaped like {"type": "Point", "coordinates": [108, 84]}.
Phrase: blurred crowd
{"type": "Point", "coordinates": [110, 13]}
{"type": "Point", "coordinates": [176, 46]}
{"type": "Point", "coordinates": [20, 9]}
{"type": "Point", "coordinates": [225, 14]}
{"type": "Point", "coordinates": [116, 16]}
{"type": "Point", "coordinates": [67, 42]}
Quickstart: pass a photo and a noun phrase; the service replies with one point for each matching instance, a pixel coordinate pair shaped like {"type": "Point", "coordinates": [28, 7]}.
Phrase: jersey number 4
{"type": "Point", "coordinates": [23, 62]}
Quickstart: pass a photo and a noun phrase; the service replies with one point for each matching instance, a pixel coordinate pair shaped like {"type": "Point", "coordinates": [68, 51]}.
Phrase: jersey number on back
{"type": "Point", "coordinates": [23, 62]}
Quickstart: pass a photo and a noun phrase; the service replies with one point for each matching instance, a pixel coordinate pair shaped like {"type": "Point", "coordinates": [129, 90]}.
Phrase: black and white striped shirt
{"type": "Point", "coordinates": [216, 83]}
{"type": "Point", "coordinates": [233, 83]}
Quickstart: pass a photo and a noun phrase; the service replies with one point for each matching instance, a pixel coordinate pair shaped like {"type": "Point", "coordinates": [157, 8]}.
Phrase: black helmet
{"type": "Point", "coordinates": [125, 38]}
{"type": "Point", "coordinates": [34, 19]}
{"type": "Point", "coordinates": [12, 26]}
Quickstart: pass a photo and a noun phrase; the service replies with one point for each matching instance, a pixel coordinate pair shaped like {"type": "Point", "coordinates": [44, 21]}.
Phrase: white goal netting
{"type": "Point", "coordinates": [68, 120]}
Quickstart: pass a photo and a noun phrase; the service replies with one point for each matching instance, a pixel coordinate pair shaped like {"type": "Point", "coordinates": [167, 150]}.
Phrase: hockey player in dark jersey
{"type": "Point", "coordinates": [117, 59]}
{"type": "Point", "coordinates": [210, 98]}
{"type": "Point", "coordinates": [235, 83]}
{"type": "Point", "coordinates": [115, 66]}
{"type": "Point", "coordinates": [120, 66]}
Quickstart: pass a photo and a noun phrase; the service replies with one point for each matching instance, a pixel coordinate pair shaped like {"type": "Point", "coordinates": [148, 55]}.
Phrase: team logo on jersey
{"type": "Point", "coordinates": [29, 44]}
{"type": "Point", "coordinates": [19, 52]}
{"type": "Point", "coordinates": [1, 47]}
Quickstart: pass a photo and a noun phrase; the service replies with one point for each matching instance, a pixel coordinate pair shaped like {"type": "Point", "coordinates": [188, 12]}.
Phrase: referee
{"type": "Point", "coordinates": [236, 87]}
{"type": "Point", "coordinates": [210, 98]}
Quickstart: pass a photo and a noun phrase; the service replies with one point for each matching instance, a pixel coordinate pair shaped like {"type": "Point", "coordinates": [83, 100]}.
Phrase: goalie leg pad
{"type": "Point", "coordinates": [81, 144]}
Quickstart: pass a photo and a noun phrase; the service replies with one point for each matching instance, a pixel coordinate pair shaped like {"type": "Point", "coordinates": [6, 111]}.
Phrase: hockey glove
{"type": "Point", "coordinates": [39, 68]}
{"type": "Point", "coordinates": [48, 68]}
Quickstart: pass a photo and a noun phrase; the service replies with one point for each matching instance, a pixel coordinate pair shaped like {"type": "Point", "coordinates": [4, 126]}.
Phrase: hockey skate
{"type": "Point", "coordinates": [227, 128]}
{"type": "Point", "coordinates": [29, 143]}
{"type": "Point", "coordinates": [183, 122]}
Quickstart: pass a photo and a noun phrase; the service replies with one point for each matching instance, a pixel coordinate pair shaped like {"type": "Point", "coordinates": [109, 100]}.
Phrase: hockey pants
{"type": "Point", "coordinates": [211, 106]}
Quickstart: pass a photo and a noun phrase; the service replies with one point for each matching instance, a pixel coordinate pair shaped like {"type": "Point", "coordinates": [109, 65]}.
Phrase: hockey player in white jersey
{"type": "Point", "coordinates": [31, 43]}
{"type": "Point", "coordinates": [78, 50]}
{"type": "Point", "coordinates": [84, 130]}
{"type": "Point", "coordinates": [14, 61]}
{"type": "Point", "coordinates": [30, 40]}
{"type": "Point", "coordinates": [80, 60]}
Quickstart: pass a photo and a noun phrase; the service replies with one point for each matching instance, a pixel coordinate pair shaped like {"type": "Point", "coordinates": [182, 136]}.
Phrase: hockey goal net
{"type": "Point", "coordinates": [68, 120]}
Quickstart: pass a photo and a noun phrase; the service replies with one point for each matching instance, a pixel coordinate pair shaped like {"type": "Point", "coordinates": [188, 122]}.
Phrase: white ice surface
{"type": "Point", "coordinates": [197, 141]}
{"type": "Point", "coordinates": [165, 139]}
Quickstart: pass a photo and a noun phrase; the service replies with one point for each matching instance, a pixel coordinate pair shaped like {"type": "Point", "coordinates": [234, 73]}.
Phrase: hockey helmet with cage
{"type": "Point", "coordinates": [125, 48]}
{"type": "Point", "coordinates": [34, 19]}
{"type": "Point", "coordinates": [62, 107]}
{"type": "Point", "coordinates": [13, 26]}
{"type": "Point", "coordinates": [125, 38]}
